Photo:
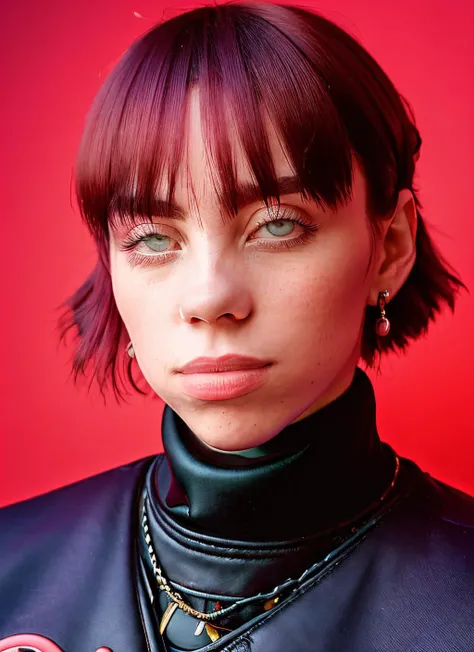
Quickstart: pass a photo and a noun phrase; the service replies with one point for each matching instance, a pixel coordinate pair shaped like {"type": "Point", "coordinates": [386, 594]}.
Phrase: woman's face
{"type": "Point", "coordinates": [288, 294]}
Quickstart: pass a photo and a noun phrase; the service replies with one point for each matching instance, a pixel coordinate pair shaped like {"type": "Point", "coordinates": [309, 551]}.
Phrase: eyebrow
{"type": "Point", "coordinates": [247, 193]}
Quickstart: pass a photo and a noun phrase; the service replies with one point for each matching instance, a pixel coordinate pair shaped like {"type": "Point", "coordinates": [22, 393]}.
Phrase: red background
{"type": "Point", "coordinates": [54, 57]}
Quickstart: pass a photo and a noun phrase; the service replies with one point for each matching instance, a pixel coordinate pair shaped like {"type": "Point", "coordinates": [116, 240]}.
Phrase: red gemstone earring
{"type": "Point", "coordinates": [382, 325]}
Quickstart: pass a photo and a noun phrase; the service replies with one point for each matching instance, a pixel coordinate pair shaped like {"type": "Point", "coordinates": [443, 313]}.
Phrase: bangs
{"type": "Point", "coordinates": [251, 64]}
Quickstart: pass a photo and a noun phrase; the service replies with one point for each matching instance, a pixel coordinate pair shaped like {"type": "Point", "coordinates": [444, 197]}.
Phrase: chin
{"type": "Point", "coordinates": [232, 428]}
{"type": "Point", "coordinates": [231, 439]}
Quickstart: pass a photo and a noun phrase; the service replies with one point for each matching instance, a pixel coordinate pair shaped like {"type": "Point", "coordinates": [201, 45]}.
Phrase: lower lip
{"type": "Point", "coordinates": [224, 384]}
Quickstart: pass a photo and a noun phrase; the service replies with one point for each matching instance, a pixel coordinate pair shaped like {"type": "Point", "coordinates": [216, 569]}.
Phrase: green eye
{"type": "Point", "coordinates": [278, 224]}
{"type": "Point", "coordinates": [155, 242]}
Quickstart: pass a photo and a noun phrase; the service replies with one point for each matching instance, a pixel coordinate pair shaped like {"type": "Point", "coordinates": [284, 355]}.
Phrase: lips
{"type": "Point", "coordinates": [229, 362]}
{"type": "Point", "coordinates": [227, 377]}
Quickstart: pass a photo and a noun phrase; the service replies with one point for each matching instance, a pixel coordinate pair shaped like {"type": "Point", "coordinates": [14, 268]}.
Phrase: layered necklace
{"type": "Point", "coordinates": [271, 598]}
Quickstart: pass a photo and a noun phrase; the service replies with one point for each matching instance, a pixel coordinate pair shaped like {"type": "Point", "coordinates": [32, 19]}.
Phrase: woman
{"type": "Point", "coordinates": [247, 174]}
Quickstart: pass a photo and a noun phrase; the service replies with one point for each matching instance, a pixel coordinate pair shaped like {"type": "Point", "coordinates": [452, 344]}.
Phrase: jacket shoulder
{"type": "Point", "coordinates": [441, 500]}
{"type": "Point", "coordinates": [455, 506]}
{"type": "Point", "coordinates": [60, 508]}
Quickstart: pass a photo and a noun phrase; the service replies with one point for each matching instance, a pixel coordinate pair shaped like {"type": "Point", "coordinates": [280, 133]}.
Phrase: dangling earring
{"type": "Point", "coordinates": [382, 325]}
{"type": "Point", "coordinates": [130, 350]}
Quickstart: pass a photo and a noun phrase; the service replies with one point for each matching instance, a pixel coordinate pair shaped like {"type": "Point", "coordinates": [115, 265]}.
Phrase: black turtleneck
{"type": "Point", "coordinates": [228, 526]}
{"type": "Point", "coordinates": [317, 472]}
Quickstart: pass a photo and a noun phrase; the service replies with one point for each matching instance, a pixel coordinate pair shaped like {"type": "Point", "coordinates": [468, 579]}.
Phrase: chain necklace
{"type": "Point", "coordinates": [270, 598]}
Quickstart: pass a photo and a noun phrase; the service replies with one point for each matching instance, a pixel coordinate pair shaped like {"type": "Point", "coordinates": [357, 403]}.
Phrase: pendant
{"type": "Point", "coordinates": [200, 628]}
{"type": "Point", "coordinates": [212, 632]}
{"type": "Point", "coordinates": [269, 604]}
{"type": "Point", "coordinates": [169, 611]}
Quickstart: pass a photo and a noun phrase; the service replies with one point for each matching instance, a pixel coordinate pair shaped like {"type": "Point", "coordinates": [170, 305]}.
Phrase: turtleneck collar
{"type": "Point", "coordinates": [315, 474]}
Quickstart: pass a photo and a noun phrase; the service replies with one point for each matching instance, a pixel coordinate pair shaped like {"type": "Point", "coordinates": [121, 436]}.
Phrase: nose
{"type": "Point", "coordinates": [217, 289]}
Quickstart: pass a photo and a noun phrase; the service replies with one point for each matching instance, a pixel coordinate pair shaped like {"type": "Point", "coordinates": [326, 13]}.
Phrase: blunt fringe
{"type": "Point", "coordinates": [328, 100]}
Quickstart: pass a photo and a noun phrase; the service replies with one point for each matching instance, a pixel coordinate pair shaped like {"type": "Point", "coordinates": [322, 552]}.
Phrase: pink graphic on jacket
{"type": "Point", "coordinates": [34, 643]}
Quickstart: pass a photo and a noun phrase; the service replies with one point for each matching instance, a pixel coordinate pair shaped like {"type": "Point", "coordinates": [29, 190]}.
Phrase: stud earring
{"type": "Point", "coordinates": [382, 325]}
{"type": "Point", "coordinates": [130, 350]}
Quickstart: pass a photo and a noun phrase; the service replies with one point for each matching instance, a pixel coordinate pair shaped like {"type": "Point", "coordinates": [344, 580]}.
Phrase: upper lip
{"type": "Point", "coordinates": [229, 362]}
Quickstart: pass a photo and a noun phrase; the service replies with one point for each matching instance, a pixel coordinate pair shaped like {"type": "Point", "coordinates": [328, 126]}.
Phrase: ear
{"type": "Point", "coordinates": [396, 251]}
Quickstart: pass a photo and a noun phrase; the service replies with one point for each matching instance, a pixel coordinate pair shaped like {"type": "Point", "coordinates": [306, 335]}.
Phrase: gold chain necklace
{"type": "Point", "coordinates": [177, 602]}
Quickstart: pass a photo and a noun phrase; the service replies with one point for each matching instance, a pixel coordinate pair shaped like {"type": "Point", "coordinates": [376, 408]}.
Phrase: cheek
{"type": "Point", "coordinates": [139, 303]}
{"type": "Point", "coordinates": [124, 290]}
{"type": "Point", "coordinates": [142, 307]}
{"type": "Point", "coordinates": [332, 284]}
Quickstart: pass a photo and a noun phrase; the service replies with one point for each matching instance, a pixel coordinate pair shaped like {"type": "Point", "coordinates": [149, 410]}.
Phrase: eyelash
{"type": "Point", "coordinates": [130, 243]}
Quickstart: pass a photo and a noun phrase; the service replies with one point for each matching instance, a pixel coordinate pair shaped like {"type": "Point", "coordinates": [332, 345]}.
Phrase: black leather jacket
{"type": "Point", "coordinates": [69, 575]}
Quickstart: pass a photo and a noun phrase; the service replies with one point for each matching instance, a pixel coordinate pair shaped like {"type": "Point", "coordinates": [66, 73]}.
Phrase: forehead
{"type": "Point", "coordinates": [197, 179]}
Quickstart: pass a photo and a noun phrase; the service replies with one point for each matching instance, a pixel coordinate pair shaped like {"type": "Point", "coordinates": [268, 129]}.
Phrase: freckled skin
{"type": "Point", "coordinates": [301, 308]}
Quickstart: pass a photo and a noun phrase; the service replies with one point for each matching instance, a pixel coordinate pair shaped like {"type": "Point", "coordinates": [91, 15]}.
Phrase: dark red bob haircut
{"type": "Point", "coordinates": [328, 100]}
